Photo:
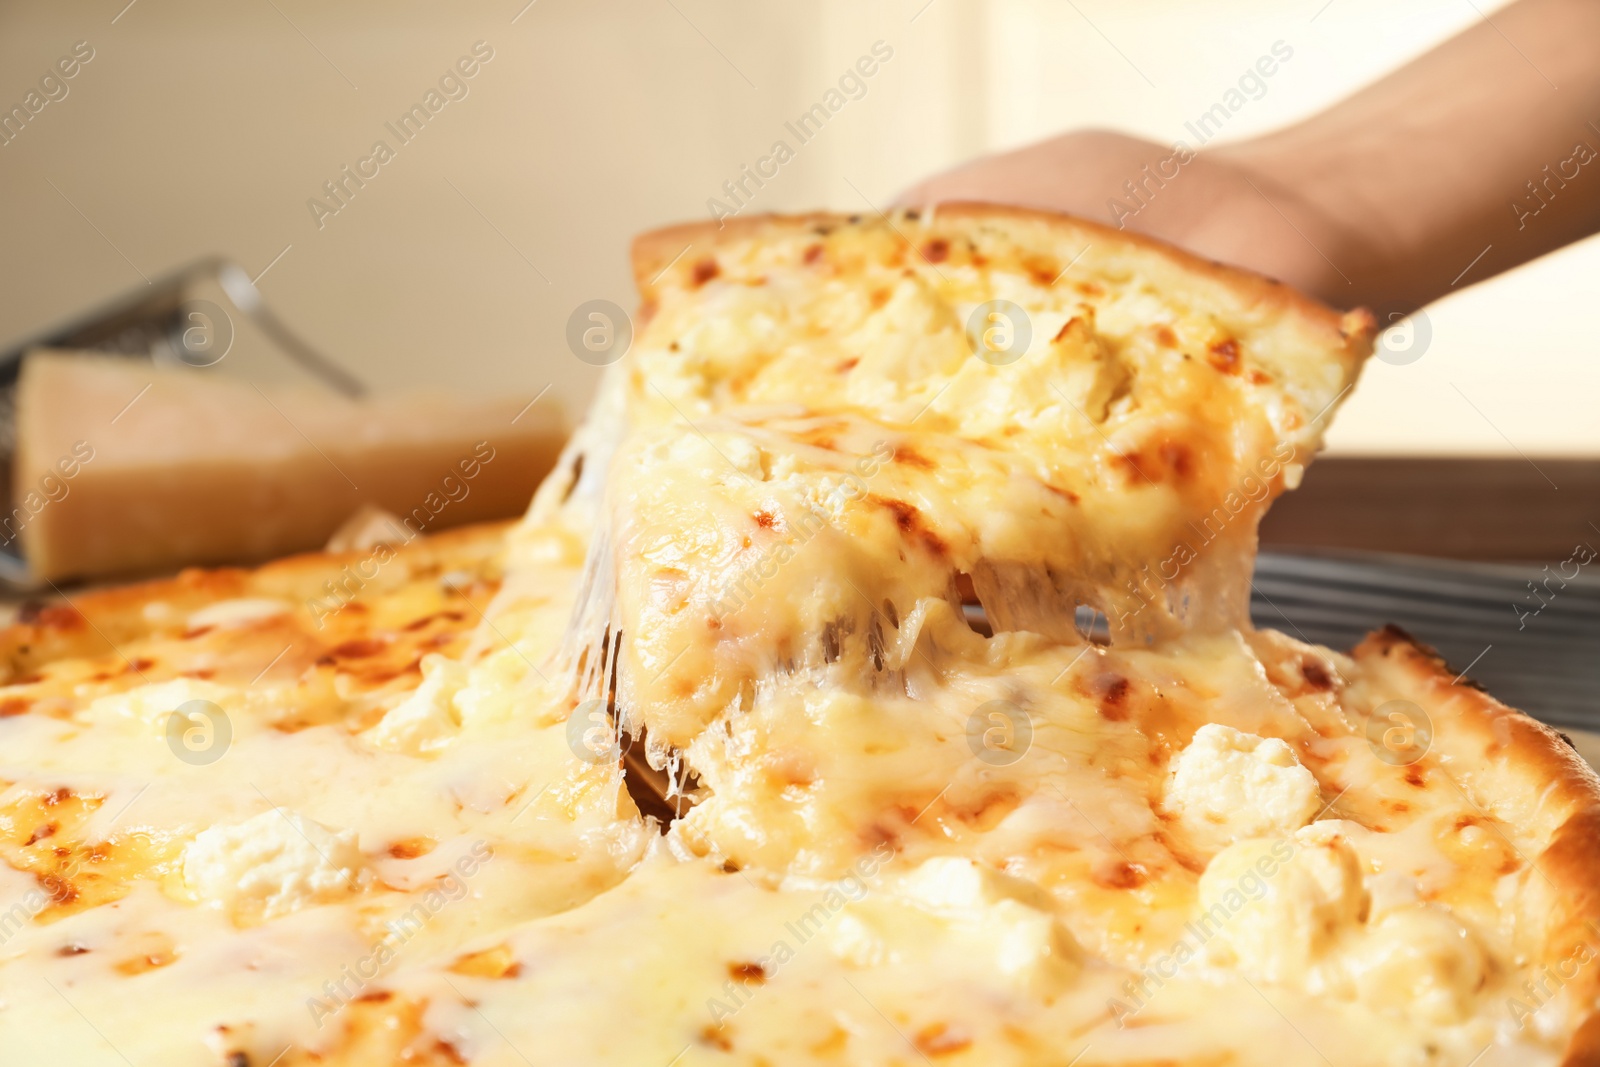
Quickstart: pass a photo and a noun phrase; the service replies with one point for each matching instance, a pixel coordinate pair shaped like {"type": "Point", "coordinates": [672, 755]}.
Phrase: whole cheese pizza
{"type": "Point", "coordinates": [871, 683]}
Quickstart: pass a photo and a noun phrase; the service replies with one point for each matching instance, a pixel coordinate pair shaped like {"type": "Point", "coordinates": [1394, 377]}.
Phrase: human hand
{"type": "Point", "coordinates": [1473, 158]}
{"type": "Point", "coordinates": [1218, 204]}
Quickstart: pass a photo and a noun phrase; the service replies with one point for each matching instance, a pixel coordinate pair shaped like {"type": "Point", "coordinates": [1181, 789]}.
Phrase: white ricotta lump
{"type": "Point", "coordinates": [427, 719]}
{"type": "Point", "coordinates": [1228, 785]}
{"type": "Point", "coordinates": [1009, 917]}
{"type": "Point", "coordinates": [1276, 908]}
{"type": "Point", "coordinates": [272, 864]}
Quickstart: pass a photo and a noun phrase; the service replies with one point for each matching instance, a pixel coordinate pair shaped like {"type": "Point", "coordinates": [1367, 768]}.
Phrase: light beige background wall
{"type": "Point", "coordinates": [204, 127]}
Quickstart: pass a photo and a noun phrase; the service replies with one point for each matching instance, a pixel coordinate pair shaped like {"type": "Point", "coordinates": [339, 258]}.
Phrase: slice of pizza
{"type": "Point", "coordinates": [832, 422]}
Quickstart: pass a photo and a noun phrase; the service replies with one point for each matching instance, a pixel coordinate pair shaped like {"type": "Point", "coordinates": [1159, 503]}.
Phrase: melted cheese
{"type": "Point", "coordinates": [908, 840]}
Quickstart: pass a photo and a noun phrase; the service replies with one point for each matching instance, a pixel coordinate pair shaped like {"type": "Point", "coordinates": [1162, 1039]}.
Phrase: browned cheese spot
{"type": "Point", "coordinates": [910, 522]}
{"type": "Point", "coordinates": [910, 457]}
{"type": "Point", "coordinates": [1121, 875]}
{"type": "Point", "coordinates": [1112, 692]}
{"type": "Point", "coordinates": [747, 972]}
{"type": "Point", "coordinates": [496, 962]}
{"type": "Point", "coordinates": [1315, 674]}
{"type": "Point", "coordinates": [1066, 328]}
{"type": "Point", "coordinates": [147, 962]}
{"type": "Point", "coordinates": [941, 1039]}
{"type": "Point", "coordinates": [1042, 271]}
{"type": "Point", "coordinates": [1224, 356]}
{"type": "Point", "coordinates": [427, 620]}
{"type": "Point", "coordinates": [716, 1036]}
{"type": "Point", "coordinates": [51, 616]}
{"type": "Point", "coordinates": [1177, 458]}
{"type": "Point", "coordinates": [985, 812]}
{"type": "Point", "coordinates": [1066, 494]}
{"type": "Point", "coordinates": [359, 648]}
{"type": "Point", "coordinates": [60, 890]}
{"type": "Point", "coordinates": [705, 270]}
{"type": "Point", "coordinates": [411, 847]}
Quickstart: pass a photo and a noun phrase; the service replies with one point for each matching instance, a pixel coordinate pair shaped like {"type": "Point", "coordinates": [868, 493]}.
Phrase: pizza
{"type": "Point", "coordinates": [871, 682]}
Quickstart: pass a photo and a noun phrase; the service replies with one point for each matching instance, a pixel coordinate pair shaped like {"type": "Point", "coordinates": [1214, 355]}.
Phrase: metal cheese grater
{"type": "Point", "coordinates": [168, 321]}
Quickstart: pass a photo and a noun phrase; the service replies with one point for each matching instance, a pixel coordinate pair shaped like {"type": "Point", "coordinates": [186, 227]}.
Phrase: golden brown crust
{"type": "Point", "coordinates": [1350, 332]}
{"type": "Point", "coordinates": [1535, 780]}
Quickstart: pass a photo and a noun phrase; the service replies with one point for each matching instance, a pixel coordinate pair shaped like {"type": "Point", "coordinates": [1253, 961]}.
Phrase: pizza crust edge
{"type": "Point", "coordinates": [1347, 335]}
{"type": "Point", "coordinates": [1512, 747]}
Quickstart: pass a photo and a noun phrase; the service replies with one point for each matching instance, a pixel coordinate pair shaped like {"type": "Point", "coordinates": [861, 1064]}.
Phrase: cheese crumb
{"type": "Point", "coordinates": [1275, 908]}
{"type": "Point", "coordinates": [427, 719]}
{"type": "Point", "coordinates": [1228, 785]}
{"type": "Point", "coordinates": [855, 941]}
{"type": "Point", "coordinates": [153, 704]}
{"type": "Point", "coordinates": [1296, 911]}
{"type": "Point", "coordinates": [272, 864]}
{"type": "Point", "coordinates": [1418, 960]}
{"type": "Point", "coordinates": [1011, 917]}
{"type": "Point", "coordinates": [241, 611]}
{"type": "Point", "coordinates": [957, 886]}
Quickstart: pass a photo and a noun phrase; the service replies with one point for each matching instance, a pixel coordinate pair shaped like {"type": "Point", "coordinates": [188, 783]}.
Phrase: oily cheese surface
{"type": "Point", "coordinates": [327, 807]}
{"type": "Point", "coordinates": [905, 833]}
{"type": "Point", "coordinates": [903, 898]}
{"type": "Point", "coordinates": [823, 459]}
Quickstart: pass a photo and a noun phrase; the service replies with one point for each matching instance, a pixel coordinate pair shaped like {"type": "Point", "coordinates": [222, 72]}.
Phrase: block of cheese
{"type": "Point", "coordinates": [122, 466]}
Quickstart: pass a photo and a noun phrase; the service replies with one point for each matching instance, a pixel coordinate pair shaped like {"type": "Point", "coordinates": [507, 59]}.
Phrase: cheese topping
{"type": "Point", "coordinates": [1419, 959]}
{"type": "Point", "coordinates": [1282, 904]}
{"type": "Point", "coordinates": [903, 829]}
{"type": "Point", "coordinates": [1009, 916]}
{"type": "Point", "coordinates": [428, 718]}
{"type": "Point", "coordinates": [273, 864]}
{"type": "Point", "coordinates": [1228, 785]}
{"type": "Point", "coordinates": [1297, 911]}
{"type": "Point", "coordinates": [239, 612]}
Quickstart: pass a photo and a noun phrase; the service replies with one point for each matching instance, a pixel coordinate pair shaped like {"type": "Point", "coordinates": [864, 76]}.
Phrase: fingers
{"type": "Point", "coordinates": [1078, 173]}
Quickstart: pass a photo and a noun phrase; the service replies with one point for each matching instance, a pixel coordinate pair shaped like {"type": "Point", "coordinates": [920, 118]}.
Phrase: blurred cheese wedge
{"type": "Point", "coordinates": [122, 466]}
